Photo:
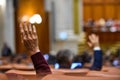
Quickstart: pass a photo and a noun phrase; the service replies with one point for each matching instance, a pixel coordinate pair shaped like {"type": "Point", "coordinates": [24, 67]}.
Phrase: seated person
{"type": "Point", "coordinates": [51, 59]}
{"type": "Point", "coordinates": [30, 41]}
{"type": "Point", "coordinates": [6, 51]}
{"type": "Point", "coordinates": [65, 57]}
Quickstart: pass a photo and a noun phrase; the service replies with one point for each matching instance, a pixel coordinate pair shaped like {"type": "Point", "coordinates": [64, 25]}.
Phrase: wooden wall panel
{"type": "Point", "coordinates": [118, 12]}
{"type": "Point", "coordinates": [29, 8]}
{"type": "Point", "coordinates": [109, 11]}
{"type": "Point", "coordinates": [87, 12]}
{"type": "Point", "coordinates": [101, 9]}
{"type": "Point", "coordinates": [97, 12]}
{"type": "Point", "coordinates": [87, 1]}
{"type": "Point", "coordinates": [97, 1]}
{"type": "Point", "coordinates": [110, 1]}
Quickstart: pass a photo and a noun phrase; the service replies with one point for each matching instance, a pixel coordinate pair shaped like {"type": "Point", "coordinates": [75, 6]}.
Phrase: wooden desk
{"type": "Point", "coordinates": [22, 67]}
{"type": "Point", "coordinates": [31, 75]}
{"type": "Point", "coordinates": [64, 77]}
{"type": "Point", "coordinates": [4, 68]}
{"type": "Point", "coordinates": [3, 76]}
{"type": "Point", "coordinates": [21, 75]}
{"type": "Point", "coordinates": [76, 72]}
{"type": "Point", "coordinates": [111, 70]}
{"type": "Point", "coordinates": [103, 74]}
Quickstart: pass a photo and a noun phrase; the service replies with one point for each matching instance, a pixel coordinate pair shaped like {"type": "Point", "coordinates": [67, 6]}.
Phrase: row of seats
{"type": "Point", "coordinates": [107, 73]}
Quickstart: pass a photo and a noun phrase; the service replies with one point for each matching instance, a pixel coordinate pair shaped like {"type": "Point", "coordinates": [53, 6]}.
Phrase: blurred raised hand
{"type": "Point", "coordinates": [29, 37]}
{"type": "Point", "coordinates": [93, 41]}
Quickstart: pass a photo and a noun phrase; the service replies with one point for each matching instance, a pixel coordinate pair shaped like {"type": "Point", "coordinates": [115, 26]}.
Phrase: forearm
{"type": "Point", "coordinates": [40, 64]}
{"type": "Point", "coordinates": [97, 64]}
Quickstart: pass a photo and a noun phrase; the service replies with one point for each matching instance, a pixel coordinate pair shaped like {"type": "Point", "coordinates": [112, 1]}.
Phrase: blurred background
{"type": "Point", "coordinates": [61, 24]}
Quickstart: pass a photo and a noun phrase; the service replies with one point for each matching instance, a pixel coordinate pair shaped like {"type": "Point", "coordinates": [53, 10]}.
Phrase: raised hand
{"type": "Point", "coordinates": [29, 37]}
{"type": "Point", "coordinates": [93, 40]}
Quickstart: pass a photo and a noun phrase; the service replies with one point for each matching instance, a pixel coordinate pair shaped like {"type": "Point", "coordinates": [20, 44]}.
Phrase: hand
{"type": "Point", "coordinates": [93, 40]}
{"type": "Point", "coordinates": [29, 37]}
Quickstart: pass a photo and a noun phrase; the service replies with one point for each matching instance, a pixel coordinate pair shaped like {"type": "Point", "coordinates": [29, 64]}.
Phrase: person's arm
{"type": "Point", "coordinates": [30, 41]}
{"type": "Point", "coordinates": [40, 64]}
{"type": "Point", "coordinates": [97, 63]}
{"type": "Point", "coordinates": [94, 43]}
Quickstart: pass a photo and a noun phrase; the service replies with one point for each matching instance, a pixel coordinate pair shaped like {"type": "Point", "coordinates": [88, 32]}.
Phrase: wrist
{"type": "Point", "coordinates": [97, 48]}
{"type": "Point", "coordinates": [35, 51]}
{"type": "Point", "coordinates": [96, 45]}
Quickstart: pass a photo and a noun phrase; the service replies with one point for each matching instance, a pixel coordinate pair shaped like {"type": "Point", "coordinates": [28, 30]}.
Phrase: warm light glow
{"type": "Point", "coordinates": [35, 19]}
{"type": "Point", "coordinates": [2, 2]}
{"type": "Point", "coordinates": [24, 19]}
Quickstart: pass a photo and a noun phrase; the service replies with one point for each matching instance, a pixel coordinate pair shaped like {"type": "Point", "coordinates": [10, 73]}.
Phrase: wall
{"type": "Point", "coordinates": [97, 9]}
{"type": "Point", "coordinates": [9, 32]}
{"type": "Point", "coordinates": [7, 24]}
{"type": "Point", "coordinates": [1, 28]}
{"type": "Point", "coordinates": [61, 21]}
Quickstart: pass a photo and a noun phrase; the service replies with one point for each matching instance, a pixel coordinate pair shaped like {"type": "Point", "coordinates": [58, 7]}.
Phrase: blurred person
{"type": "Point", "coordinates": [107, 54]}
{"type": "Point", "coordinates": [97, 62]}
{"type": "Point", "coordinates": [30, 41]}
{"type": "Point", "coordinates": [118, 52]}
{"type": "Point", "coordinates": [51, 59]}
{"type": "Point", "coordinates": [6, 51]}
{"type": "Point", "coordinates": [102, 22]}
{"type": "Point", "coordinates": [6, 54]}
{"type": "Point", "coordinates": [109, 23]}
{"type": "Point", "coordinates": [83, 58]}
{"type": "Point", "coordinates": [116, 62]}
{"type": "Point", "coordinates": [64, 58]}
{"type": "Point", "coordinates": [90, 23]}
{"type": "Point", "coordinates": [116, 24]}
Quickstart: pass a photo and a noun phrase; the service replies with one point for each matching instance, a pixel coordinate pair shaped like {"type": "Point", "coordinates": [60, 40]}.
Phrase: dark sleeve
{"type": "Point", "coordinates": [40, 64]}
{"type": "Point", "coordinates": [97, 64]}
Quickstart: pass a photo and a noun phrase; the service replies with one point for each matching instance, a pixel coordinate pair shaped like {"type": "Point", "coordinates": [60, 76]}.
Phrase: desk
{"type": "Point", "coordinates": [22, 67]}
{"type": "Point", "coordinates": [64, 77]}
{"type": "Point", "coordinates": [4, 68]}
{"type": "Point", "coordinates": [21, 75]}
{"type": "Point", "coordinates": [76, 72]}
{"type": "Point", "coordinates": [103, 74]}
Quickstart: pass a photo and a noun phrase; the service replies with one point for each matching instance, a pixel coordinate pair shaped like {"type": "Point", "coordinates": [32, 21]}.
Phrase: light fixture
{"type": "Point", "coordinates": [24, 18]}
{"type": "Point", "coordinates": [2, 2]}
{"type": "Point", "coordinates": [36, 18]}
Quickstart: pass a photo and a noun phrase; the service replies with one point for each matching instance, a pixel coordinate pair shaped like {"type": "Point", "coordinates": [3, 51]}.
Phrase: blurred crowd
{"type": "Point", "coordinates": [63, 59]}
{"type": "Point", "coordinates": [112, 25]}
{"type": "Point", "coordinates": [112, 58]}
{"type": "Point", "coordinates": [8, 57]}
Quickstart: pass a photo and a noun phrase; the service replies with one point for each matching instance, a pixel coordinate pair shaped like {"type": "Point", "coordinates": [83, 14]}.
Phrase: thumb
{"type": "Point", "coordinates": [89, 44]}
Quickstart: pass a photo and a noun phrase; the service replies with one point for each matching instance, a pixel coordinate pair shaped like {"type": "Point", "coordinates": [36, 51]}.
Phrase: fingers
{"type": "Point", "coordinates": [21, 28]}
{"type": "Point", "coordinates": [34, 29]}
{"type": "Point", "coordinates": [30, 28]}
{"type": "Point", "coordinates": [21, 31]}
{"type": "Point", "coordinates": [94, 40]}
{"type": "Point", "coordinates": [30, 32]}
{"type": "Point", "coordinates": [34, 32]}
{"type": "Point", "coordinates": [27, 31]}
{"type": "Point", "coordinates": [89, 44]}
{"type": "Point", "coordinates": [29, 37]}
{"type": "Point", "coordinates": [25, 27]}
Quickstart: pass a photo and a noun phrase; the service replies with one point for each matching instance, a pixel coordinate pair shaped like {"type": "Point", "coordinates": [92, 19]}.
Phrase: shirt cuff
{"type": "Point", "coordinates": [96, 48]}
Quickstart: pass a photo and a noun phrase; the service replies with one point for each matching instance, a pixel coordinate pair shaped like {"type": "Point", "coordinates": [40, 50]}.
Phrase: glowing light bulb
{"type": "Point", "coordinates": [31, 20]}
{"type": "Point", "coordinates": [2, 2]}
{"type": "Point", "coordinates": [35, 19]}
{"type": "Point", "coordinates": [24, 19]}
